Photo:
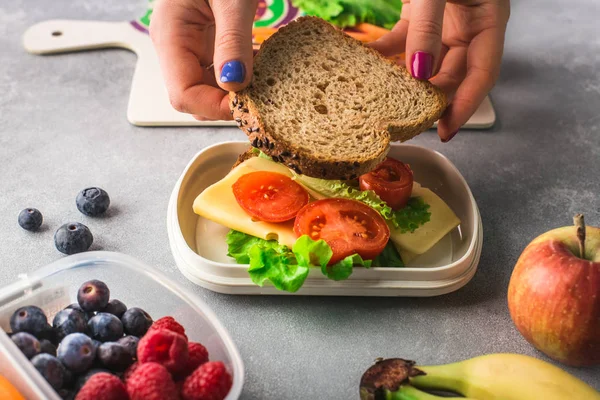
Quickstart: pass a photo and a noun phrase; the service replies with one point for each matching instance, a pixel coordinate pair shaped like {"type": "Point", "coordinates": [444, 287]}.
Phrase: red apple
{"type": "Point", "coordinates": [554, 295]}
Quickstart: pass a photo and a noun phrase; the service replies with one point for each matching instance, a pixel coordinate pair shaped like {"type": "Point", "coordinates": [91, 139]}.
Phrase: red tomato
{"type": "Point", "coordinates": [269, 196]}
{"type": "Point", "coordinates": [392, 180]}
{"type": "Point", "coordinates": [348, 227]}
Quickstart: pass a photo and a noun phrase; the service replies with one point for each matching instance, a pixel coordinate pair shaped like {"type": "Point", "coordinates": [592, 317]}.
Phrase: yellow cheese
{"type": "Point", "coordinates": [217, 203]}
{"type": "Point", "coordinates": [442, 221]}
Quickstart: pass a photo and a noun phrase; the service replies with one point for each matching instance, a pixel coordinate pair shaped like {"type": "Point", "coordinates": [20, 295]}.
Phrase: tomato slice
{"type": "Point", "coordinates": [392, 180]}
{"type": "Point", "coordinates": [269, 196]}
{"type": "Point", "coordinates": [348, 227]}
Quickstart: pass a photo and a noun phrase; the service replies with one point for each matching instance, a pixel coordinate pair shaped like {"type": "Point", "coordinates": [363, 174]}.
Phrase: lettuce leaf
{"type": "Point", "coordinates": [389, 257]}
{"type": "Point", "coordinates": [347, 13]}
{"type": "Point", "coordinates": [287, 269]}
{"type": "Point", "coordinates": [415, 214]}
{"type": "Point", "coordinates": [336, 188]}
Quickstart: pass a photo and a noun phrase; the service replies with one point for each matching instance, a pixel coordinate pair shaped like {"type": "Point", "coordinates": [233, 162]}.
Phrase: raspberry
{"type": "Point", "coordinates": [198, 355]}
{"type": "Point", "coordinates": [210, 381]}
{"type": "Point", "coordinates": [169, 324]}
{"type": "Point", "coordinates": [151, 381]}
{"type": "Point", "coordinates": [164, 347]}
{"type": "Point", "coordinates": [129, 371]}
{"type": "Point", "coordinates": [103, 386]}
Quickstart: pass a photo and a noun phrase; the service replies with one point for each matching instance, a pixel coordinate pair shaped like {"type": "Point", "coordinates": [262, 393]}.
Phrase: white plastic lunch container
{"type": "Point", "coordinates": [199, 248]}
{"type": "Point", "coordinates": [55, 286]}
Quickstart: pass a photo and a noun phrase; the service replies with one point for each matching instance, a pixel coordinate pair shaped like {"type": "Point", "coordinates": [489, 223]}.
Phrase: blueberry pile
{"type": "Point", "coordinates": [96, 334]}
{"type": "Point", "coordinates": [73, 237]}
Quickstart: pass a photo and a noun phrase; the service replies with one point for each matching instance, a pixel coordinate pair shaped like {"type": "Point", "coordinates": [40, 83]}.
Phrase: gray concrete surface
{"type": "Point", "coordinates": [63, 127]}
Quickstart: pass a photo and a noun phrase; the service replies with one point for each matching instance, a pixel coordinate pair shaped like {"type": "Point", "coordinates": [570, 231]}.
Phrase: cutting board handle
{"type": "Point", "coordinates": [57, 36]}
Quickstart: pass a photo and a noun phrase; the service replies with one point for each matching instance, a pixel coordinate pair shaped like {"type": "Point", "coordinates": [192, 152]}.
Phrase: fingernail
{"type": "Point", "coordinates": [422, 65]}
{"type": "Point", "coordinates": [233, 71]}
{"type": "Point", "coordinates": [449, 138]}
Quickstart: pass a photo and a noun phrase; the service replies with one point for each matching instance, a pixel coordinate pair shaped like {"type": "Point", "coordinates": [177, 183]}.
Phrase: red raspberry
{"type": "Point", "coordinates": [129, 371]}
{"type": "Point", "coordinates": [151, 381]}
{"type": "Point", "coordinates": [169, 324]}
{"type": "Point", "coordinates": [164, 347]}
{"type": "Point", "coordinates": [210, 381]}
{"type": "Point", "coordinates": [198, 355]}
{"type": "Point", "coordinates": [103, 386]}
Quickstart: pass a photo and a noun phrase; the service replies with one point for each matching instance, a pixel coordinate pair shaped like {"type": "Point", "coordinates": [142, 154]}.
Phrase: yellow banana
{"type": "Point", "coordinates": [505, 377]}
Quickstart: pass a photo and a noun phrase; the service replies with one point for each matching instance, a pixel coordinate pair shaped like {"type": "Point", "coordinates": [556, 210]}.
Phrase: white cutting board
{"type": "Point", "coordinates": [148, 102]}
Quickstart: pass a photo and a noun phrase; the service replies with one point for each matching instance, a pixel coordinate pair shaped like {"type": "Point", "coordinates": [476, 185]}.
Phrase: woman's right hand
{"type": "Point", "coordinates": [205, 50]}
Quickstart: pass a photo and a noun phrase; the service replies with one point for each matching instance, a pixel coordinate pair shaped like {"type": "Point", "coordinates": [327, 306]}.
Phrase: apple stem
{"type": "Point", "coordinates": [580, 224]}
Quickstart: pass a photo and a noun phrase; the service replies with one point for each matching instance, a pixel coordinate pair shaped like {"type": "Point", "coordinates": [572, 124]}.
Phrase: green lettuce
{"type": "Point", "coordinates": [348, 13]}
{"type": "Point", "coordinates": [389, 257]}
{"type": "Point", "coordinates": [287, 269]}
{"type": "Point", "coordinates": [415, 214]}
{"type": "Point", "coordinates": [336, 188]}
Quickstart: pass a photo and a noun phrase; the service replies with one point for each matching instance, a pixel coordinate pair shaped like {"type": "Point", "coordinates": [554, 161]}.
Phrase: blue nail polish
{"type": "Point", "coordinates": [233, 71]}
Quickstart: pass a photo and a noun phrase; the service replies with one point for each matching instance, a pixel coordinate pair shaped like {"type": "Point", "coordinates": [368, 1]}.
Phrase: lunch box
{"type": "Point", "coordinates": [200, 252]}
{"type": "Point", "coordinates": [55, 286]}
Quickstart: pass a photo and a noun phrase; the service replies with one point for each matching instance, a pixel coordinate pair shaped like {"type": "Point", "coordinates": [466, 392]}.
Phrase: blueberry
{"type": "Point", "coordinates": [68, 378]}
{"type": "Point", "coordinates": [30, 319]}
{"type": "Point", "coordinates": [96, 344]}
{"type": "Point", "coordinates": [85, 377]}
{"type": "Point", "coordinates": [30, 219]}
{"type": "Point", "coordinates": [114, 356]}
{"type": "Point", "coordinates": [115, 307]}
{"type": "Point", "coordinates": [73, 238]}
{"type": "Point", "coordinates": [76, 352]}
{"type": "Point", "coordinates": [76, 306]}
{"type": "Point", "coordinates": [136, 322]}
{"type": "Point", "coordinates": [131, 344]}
{"type": "Point", "coordinates": [105, 327]}
{"type": "Point", "coordinates": [69, 321]}
{"type": "Point", "coordinates": [92, 201]}
{"type": "Point", "coordinates": [51, 369]}
{"type": "Point", "coordinates": [27, 343]}
{"type": "Point", "coordinates": [47, 347]}
{"type": "Point", "coordinates": [93, 295]}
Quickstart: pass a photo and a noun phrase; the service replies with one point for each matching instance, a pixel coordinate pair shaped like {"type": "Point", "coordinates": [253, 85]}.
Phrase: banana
{"type": "Point", "coordinates": [487, 377]}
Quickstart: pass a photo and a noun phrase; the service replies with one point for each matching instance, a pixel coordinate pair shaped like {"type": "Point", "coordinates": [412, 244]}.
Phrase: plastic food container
{"type": "Point", "coordinates": [199, 248]}
{"type": "Point", "coordinates": [54, 286]}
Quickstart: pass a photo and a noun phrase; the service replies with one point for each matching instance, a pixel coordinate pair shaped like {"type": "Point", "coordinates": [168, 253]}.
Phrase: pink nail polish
{"type": "Point", "coordinates": [422, 65]}
{"type": "Point", "coordinates": [449, 137]}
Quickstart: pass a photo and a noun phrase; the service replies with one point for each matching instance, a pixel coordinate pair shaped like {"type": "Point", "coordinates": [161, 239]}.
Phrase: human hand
{"type": "Point", "coordinates": [191, 35]}
{"type": "Point", "coordinates": [457, 45]}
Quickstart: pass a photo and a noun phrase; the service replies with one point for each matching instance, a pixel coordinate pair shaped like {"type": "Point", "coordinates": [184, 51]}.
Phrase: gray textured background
{"type": "Point", "coordinates": [63, 127]}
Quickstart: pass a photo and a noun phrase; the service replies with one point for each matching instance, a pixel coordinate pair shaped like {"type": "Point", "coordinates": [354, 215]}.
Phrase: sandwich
{"type": "Point", "coordinates": [316, 188]}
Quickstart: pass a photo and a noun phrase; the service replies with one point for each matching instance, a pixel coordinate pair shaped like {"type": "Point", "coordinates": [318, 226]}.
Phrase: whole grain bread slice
{"type": "Point", "coordinates": [328, 106]}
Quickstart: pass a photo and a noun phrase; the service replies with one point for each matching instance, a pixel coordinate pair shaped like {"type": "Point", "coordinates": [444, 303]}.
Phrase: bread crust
{"type": "Point", "coordinates": [247, 116]}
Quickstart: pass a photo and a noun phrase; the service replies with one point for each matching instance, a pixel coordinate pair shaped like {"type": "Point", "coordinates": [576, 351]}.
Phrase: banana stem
{"type": "Point", "coordinates": [408, 392]}
{"type": "Point", "coordinates": [580, 224]}
{"type": "Point", "coordinates": [440, 377]}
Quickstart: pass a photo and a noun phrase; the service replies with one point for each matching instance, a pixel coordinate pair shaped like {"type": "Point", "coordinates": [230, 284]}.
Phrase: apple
{"type": "Point", "coordinates": [554, 294]}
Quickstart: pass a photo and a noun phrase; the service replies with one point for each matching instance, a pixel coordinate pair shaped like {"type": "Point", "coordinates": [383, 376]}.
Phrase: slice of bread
{"type": "Point", "coordinates": [328, 106]}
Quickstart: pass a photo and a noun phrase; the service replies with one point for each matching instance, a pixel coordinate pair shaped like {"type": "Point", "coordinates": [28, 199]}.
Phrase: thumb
{"type": "Point", "coordinates": [424, 37]}
{"type": "Point", "coordinates": [233, 42]}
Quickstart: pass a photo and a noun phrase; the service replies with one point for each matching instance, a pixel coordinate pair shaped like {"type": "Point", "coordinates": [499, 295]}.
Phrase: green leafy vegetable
{"type": "Point", "coordinates": [345, 13]}
{"type": "Point", "coordinates": [343, 269]}
{"type": "Point", "coordinates": [415, 214]}
{"type": "Point", "coordinates": [389, 257]}
{"type": "Point", "coordinates": [287, 269]}
{"type": "Point", "coordinates": [337, 188]}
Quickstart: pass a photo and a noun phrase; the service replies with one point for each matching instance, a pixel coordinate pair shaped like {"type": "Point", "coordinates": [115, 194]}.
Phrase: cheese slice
{"type": "Point", "coordinates": [217, 203]}
{"type": "Point", "coordinates": [442, 221]}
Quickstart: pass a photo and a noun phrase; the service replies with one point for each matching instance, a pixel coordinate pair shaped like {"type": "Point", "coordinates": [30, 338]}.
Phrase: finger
{"type": "Point", "coordinates": [233, 42]}
{"type": "Point", "coordinates": [179, 47]}
{"type": "Point", "coordinates": [424, 37]}
{"type": "Point", "coordinates": [483, 66]}
{"type": "Point", "coordinates": [394, 42]}
{"type": "Point", "coordinates": [452, 71]}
